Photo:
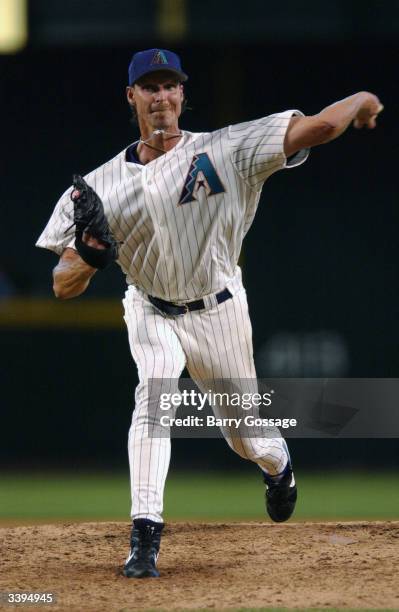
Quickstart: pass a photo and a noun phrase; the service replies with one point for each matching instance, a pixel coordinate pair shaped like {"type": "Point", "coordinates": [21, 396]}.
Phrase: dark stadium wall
{"type": "Point", "coordinates": [64, 110]}
{"type": "Point", "coordinates": [67, 398]}
{"type": "Point", "coordinates": [321, 256]}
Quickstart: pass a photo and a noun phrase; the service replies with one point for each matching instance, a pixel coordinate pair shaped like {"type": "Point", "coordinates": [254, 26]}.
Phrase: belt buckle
{"type": "Point", "coordinates": [186, 309]}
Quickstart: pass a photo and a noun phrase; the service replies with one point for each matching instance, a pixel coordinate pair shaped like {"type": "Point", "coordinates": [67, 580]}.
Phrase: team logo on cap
{"type": "Point", "coordinates": [159, 58]}
{"type": "Point", "coordinates": [201, 175]}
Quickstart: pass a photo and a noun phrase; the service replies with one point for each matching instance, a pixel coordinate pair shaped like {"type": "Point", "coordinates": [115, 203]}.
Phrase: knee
{"type": "Point", "coordinates": [243, 447]}
{"type": "Point", "coordinates": [270, 454]}
{"type": "Point", "coordinates": [149, 395]}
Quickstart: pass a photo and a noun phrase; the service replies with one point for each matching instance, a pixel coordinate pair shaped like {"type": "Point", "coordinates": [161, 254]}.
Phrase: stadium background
{"type": "Point", "coordinates": [320, 262]}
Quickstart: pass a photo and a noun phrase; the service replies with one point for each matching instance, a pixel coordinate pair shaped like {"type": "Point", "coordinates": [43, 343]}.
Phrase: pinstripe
{"type": "Point", "coordinates": [226, 372]}
{"type": "Point", "coordinates": [151, 273]}
{"type": "Point", "coordinates": [209, 329]}
{"type": "Point", "coordinates": [191, 230]}
{"type": "Point", "coordinates": [229, 237]}
{"type": "Point", "coordinates": [182, 252]}
{"type": "Point", "coordinates": [161, 357]}
{"type": "Point", "coordinates": [176, 232]}
{"type": "Point", "coordinates": [161, 244]}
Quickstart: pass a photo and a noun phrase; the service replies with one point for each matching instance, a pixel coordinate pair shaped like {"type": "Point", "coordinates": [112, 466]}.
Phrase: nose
{"type": "Point", "coordinates": [160, 95]}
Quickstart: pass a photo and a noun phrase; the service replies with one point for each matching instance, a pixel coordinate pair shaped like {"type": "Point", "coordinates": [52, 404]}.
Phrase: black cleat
{"type": "Point", "coordinates": [144, 549]}
{"type": "Point", "coordinates": [281, 495]}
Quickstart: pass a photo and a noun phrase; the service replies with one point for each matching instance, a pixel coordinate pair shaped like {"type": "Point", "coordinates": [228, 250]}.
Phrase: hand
{"type": "Point", "coordinates": [93, 242]}
{"type": "Point", "coordinates": [369, 111]}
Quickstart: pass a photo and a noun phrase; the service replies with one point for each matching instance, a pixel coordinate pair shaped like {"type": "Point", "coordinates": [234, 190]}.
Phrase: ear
{"type": "Point", "coordinates": [130, 96]}
{"type": "Point", "coordinates": [181, 92]}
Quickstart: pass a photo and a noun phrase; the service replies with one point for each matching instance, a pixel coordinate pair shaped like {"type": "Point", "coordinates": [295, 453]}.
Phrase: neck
{"type": "Point", "coordinates": [155, 142]}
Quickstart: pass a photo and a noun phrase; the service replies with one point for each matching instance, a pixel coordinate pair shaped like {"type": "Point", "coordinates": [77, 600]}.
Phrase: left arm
{"type": "Point", "coordinates": [303, 132]}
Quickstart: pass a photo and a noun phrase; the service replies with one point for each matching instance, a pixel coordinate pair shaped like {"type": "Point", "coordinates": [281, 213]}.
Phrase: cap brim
{"type": "Point", "coordinates": [159, 68]}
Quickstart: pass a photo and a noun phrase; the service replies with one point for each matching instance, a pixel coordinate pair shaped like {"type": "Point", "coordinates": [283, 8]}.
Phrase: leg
{"type": "Point", "coordinates": [218, 347]}
{"type": "Point", "coordinates": [158, 354]}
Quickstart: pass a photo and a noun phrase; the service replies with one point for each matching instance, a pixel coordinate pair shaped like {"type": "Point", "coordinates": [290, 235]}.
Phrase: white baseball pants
{"type": "Point", "coordinates": [213, 344]}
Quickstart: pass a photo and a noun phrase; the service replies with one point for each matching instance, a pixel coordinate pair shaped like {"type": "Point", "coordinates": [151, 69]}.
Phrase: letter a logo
{"type": "Point", "coordinates": [159, 57]}
{"type": "Point", "coordinates": [201, 175]}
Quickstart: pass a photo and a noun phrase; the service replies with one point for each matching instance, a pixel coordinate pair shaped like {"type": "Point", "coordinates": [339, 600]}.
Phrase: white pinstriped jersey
{"type": "Point", "coordinates": [181, 218]}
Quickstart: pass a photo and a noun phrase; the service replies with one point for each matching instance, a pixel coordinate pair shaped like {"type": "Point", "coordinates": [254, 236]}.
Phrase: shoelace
{"type": "Point", "coordinates": [144, 541]}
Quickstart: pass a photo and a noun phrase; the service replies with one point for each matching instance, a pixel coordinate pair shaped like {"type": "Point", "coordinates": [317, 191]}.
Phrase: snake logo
{"type": "Point", "coordinates": [201, 175]}
{"type": "Point", "coordinates": [159, 58]}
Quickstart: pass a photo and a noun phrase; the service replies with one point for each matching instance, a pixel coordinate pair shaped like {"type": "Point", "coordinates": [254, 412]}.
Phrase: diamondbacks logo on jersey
{"type": "Point", "coordinates": [159, 58]}
{"type": "Point", "coordinates": [201, 175]}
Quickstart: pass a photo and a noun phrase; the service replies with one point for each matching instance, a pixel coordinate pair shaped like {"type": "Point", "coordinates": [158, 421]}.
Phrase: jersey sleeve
{"type": "Point", "coordinates": [257, 147]}
{"type": "Point", "coordinates": [59, 232]}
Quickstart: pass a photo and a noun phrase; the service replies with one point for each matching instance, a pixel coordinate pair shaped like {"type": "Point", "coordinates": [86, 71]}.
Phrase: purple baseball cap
{"type": "Point", "coordinates": [153, 60]}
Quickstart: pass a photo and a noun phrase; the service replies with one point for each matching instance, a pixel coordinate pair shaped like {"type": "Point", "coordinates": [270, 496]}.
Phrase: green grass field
{"type": "Point", "coordinates": [207, 497]}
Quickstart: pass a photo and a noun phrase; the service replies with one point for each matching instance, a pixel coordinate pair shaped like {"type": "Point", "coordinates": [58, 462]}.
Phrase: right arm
{"type": "Point", "coordinates": [303, 132]}
{"type": "Point", "coordinates": [72, 275]}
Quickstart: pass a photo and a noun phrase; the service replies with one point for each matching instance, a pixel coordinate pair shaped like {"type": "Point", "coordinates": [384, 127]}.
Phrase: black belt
{"type": "Point", "coordinates": [172, 309]}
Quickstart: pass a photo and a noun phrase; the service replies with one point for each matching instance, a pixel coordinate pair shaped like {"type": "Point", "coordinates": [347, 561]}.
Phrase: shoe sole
{"type": "Point", "coordinates": [145, 574]}
{"type": "Point", "coordinates": [278, 519]}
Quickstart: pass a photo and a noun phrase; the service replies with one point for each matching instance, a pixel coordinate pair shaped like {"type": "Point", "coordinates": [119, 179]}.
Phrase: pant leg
{"type": "Point", "coordinates": [218, 347]}
{"type": "Point", "coordinates": [158, 354]}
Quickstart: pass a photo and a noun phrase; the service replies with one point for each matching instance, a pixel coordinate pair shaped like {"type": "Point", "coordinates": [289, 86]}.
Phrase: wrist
{"type": "Point", "coordinates": [91, 241]}
{"type": "Point", "coordinates": [98, 258]}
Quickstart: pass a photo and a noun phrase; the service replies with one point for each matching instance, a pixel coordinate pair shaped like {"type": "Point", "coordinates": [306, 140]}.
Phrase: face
{"type": "Point", "coordinates": [158, 98]}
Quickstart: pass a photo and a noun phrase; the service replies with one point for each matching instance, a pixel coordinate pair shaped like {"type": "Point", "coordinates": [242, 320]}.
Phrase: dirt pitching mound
{"type": "Point", "coordinates": [236, 565]}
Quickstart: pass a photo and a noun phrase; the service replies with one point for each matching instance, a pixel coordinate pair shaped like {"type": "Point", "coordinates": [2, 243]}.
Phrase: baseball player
{"type": "Point", "coordinates": [172, 209]}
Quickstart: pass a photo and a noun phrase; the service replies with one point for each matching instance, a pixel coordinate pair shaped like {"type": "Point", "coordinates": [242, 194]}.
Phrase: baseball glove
{"type": "Point", "coordinates": [89, 218]}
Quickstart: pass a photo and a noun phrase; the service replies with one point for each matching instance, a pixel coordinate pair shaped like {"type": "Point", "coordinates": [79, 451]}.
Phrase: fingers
{"type": "Point", "coordinates": [79, 187]}
{"type": "Point", "coordinates": [374, 112]}
{"type": "Point", "coordinates": [371, 124]}
{"type": "Point", "coordinates": [370, 121]}
{"type": "Point", "coordinates": [78, 181]}
{"type": "Point", "coordinates": [75, 195]}
{"type": "Point", "coordinates": [93, 242]}
{"type": "Point", "coordinates": [374, 116]}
